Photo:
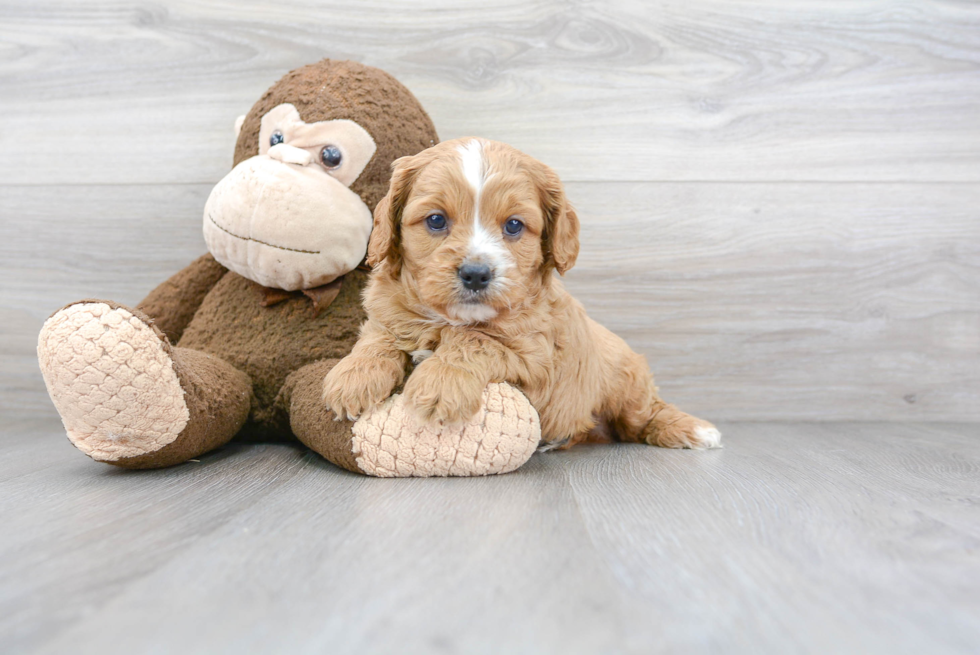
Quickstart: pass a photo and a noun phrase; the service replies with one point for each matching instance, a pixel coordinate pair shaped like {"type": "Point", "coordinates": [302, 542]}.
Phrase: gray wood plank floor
{"type": "Point", "coordinates": [781, 209]}
{"type": "Point", "coordinates": [796, 538]}
{"type": "Point", "coordinates": [751, 302]}
{"type": "Point", "coordinates": [780, 200]}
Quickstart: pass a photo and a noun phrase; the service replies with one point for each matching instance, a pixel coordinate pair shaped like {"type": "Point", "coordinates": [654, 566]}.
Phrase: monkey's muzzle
{"type": "Point", "coordinates": [284, 225]}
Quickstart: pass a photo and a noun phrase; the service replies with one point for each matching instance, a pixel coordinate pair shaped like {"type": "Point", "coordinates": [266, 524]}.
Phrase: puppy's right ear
{"type": "Point", "coordinates": [385, 243]}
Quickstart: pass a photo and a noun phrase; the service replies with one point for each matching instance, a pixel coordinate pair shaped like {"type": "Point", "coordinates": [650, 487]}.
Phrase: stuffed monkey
{"type": "Point", "coordinates": [239, 342]}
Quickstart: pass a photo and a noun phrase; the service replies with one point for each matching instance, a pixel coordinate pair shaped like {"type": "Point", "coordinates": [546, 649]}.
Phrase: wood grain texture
{"type": "Point", "coordinates": [779, 200]}
{"type": "Point", "coordinates": [751, 301]}
{"type": "Point", "coordinates": [795, 538]}
{"type": "Point", "coordinates": [780, 209]}
{"type": "Point", "coordinates": [146, 92]}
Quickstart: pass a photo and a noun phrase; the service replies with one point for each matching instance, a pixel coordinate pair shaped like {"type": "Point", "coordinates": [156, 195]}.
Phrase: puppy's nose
{"type": "Point", "coordinates": [475, 277]}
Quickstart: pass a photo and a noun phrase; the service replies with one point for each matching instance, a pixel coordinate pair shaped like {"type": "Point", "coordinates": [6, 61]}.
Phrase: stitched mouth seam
{"type": "Point", "coordinates": [271, 245]}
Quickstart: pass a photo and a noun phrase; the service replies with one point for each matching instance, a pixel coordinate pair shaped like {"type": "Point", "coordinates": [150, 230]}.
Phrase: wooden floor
{"type": "Point", "coordinates": [795, 538]}
{"type": "Point", "coordinates": [780, 200]}
{"type": "Point", "coordinates": [780, 206]}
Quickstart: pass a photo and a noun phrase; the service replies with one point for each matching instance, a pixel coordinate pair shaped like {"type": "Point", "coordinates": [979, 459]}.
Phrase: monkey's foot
{"type": "Point", "coordinates": [112, 379]}
{"type": "Point", "coordinates": [389, 442]}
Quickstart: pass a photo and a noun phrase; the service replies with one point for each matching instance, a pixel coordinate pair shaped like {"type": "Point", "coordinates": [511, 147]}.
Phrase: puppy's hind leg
{"type": "Point", "coordinates": [644, 417]}
{"type": "Point", "coordinates": [672, 428]}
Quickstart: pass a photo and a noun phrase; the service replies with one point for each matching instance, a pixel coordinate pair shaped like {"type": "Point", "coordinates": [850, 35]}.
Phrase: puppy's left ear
{"type": "Point", "coordinates": [561, 227]}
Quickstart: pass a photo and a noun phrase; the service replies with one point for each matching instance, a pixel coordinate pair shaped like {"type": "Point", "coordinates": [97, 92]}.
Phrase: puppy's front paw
{"type": "Point", "coordinates": [356, 384]}
{"type": "Point", "coordinates": [439, 392]}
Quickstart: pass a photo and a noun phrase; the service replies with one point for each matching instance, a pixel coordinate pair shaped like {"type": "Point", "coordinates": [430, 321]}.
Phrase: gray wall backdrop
{"type": "Point", "coordinates": [780, 201]}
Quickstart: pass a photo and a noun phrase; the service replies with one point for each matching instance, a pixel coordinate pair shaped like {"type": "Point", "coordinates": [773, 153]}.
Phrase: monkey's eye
{"type": "Point", "coordinates": [276, 138]}
{"type": "Point", "coordinates": [513, 227]}
{"type": "Point", "coordinates": [330, 156]}
{"type": "Point", "coordinates": [436, 222]}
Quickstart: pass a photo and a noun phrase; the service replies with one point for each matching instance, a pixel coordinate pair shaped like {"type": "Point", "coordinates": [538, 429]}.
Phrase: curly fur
{"type": "Point", "coordinates": [524, 328]}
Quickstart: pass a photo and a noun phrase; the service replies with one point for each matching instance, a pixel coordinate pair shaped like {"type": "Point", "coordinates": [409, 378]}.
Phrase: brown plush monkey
{"type": "Point", "coordinates": [240, 340]}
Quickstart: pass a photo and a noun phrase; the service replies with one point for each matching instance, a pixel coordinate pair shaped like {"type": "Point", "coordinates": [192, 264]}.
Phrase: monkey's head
{"type": "Point", "coordinates": [312, 160]}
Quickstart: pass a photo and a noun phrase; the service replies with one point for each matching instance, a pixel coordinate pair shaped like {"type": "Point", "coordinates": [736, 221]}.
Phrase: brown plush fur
{"type": "Point", "coordinates": [524, 329]}
{"type": "Point", "coordinates": [269, 343]}
{"type": "Point", "coordinates": [174, 302]}
{"type": "Point", "coordinates": [233, 355]}
{"type": "Point", "coordinates": [217, 397]}
{"type": "Point", "coordinates": [311, 421]}
{"type": "Point", "coordinates": [330, 90]}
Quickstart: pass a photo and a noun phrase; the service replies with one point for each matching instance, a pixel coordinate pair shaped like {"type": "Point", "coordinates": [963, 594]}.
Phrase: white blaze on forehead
{"type": "Point", "coordinates": [473, 169]}
{"type": "Point", "coordinates": [484, 246]}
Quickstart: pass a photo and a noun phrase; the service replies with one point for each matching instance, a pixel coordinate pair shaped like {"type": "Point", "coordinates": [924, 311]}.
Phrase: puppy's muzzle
{"type": "Point", "coordinates": [475, 277]}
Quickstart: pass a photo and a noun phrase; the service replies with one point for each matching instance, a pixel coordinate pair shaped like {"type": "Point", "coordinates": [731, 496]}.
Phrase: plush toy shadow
{"type": "Point", "coordinates": [239, 342]}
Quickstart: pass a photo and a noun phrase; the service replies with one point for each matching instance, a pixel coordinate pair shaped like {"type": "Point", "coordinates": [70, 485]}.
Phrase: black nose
{"type": "Point", "coordinates": [475, 277]}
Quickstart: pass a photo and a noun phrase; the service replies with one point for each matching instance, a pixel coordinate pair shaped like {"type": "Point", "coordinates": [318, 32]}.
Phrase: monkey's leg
{"type": "Point", "coordinates": [127, 397]}
{"type": "Point", "coordinates": [389, 442]}
{"type": "Point", "coordinates": [312, 423]}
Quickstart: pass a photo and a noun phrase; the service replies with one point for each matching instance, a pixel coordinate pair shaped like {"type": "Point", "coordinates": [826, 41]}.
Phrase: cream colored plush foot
{"type": "Point", "coordinates": [389, 443]}
{"type": "Point", "coordinates": [113, 381]}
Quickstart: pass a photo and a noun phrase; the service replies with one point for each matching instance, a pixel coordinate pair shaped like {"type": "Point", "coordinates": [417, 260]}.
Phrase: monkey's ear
{"type": "Point", "coordinates": [561, 227]}
{"type": "Point", "coordinates": [238, 125]}
{"type": "Point", "coordinates": [385, 240]}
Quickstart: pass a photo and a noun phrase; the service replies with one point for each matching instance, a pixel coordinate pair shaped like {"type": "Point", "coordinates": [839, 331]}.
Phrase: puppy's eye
{"type": "Point", "coordinates": [513, 227]}
{"type": "Point", "coordinates": [276, 138]}
{"type": "Point", "coordinates": [436, 222]}
{"type": "Point", "coordinates": [330, 156]}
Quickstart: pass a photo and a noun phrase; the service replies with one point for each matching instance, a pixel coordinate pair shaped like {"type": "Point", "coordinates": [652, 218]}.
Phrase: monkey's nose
{"type": "Point", "coordinates": [288, 154]}
{"type": "Point", "coordinates": [475, 277]}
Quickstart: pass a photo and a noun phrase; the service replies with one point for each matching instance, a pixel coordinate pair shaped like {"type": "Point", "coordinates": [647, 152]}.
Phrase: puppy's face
{"type": "Point", "coordinates": [475, 227]}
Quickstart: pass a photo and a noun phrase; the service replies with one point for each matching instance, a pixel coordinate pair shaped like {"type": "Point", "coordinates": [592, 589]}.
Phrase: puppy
{"type": "Point", "coordinates": [464, 250]}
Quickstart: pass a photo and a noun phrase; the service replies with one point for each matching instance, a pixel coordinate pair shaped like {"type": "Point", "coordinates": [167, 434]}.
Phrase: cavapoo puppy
{"type": "Point", "coordinates": [464, 248]}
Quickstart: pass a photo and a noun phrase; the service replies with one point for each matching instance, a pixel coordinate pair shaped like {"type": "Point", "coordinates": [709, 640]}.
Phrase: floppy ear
{"type": "Point", "coordinates": [561, 227]}
{"type": "Point", "coordinates": [386, 234]}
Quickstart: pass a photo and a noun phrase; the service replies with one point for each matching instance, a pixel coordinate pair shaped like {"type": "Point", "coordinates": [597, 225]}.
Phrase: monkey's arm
{"type": "Point", "coordinates": [172, 304]}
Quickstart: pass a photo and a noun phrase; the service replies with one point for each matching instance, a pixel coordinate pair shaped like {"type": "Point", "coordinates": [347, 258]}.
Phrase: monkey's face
{"type": "Point", "coordinates": [287, 217]}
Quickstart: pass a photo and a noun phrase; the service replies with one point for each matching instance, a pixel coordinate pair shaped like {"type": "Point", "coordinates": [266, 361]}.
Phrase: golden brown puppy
{"type": "Point", "coordinates": [464, 248]}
